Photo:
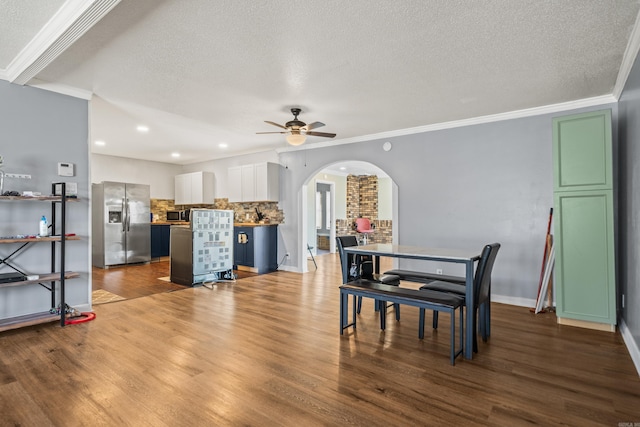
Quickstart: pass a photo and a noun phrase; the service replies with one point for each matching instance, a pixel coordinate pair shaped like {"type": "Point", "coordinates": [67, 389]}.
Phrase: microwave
{"type": "Point", "coordinates": [178, 215]}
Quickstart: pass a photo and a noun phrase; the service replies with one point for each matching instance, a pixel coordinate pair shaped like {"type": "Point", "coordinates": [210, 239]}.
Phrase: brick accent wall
{"type": "Point", "coordinates": [362, 201]}
{"type": "Point", "coordinates": [353, 196]}
{"type": "Point", "coordinates": [368, 196]}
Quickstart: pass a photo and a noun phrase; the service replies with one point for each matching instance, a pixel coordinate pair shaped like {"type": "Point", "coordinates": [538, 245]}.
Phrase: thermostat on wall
{"type": "Point", "coordinates": [66, 169]}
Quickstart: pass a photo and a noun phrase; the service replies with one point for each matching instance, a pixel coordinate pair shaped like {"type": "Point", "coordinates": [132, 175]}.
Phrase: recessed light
{"type": "Point", "coordinates": [175, 154]}
{"type": "Point", "coordinates": [142, 128]}
{"type": "Point", "coordinates": [342, 168]}
{"type": "Point", "coordinates": [223, 145]}
{"type": "Point", "coordinates": [101, 143]}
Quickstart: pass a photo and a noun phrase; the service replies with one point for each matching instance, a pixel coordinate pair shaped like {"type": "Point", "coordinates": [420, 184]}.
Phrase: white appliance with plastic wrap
{"type": "Point", "coordinates": [203, 251]}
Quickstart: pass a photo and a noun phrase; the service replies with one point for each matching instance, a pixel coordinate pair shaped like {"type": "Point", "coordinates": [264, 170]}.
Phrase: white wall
{"type": "Point", "coordinates": [220, 168]}
{"type": "Point", "coordinates": [385, 201]}
{"type": "Point", "coordinates": [160, 176]}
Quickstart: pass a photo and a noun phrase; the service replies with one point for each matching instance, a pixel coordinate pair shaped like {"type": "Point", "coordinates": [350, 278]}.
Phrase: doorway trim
{"type": "Point", "coordinates": [332, 229]}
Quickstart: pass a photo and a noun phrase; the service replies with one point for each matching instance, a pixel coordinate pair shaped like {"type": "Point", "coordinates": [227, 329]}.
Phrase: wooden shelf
{"type": "Point", "coordinates": [48, 277]}
{"type": "Point", "coordinates": [39, 198]}
{"type": "Point", "coordinates": [37, 239]}
{"type": "Point", "coordinates": [27, 320]}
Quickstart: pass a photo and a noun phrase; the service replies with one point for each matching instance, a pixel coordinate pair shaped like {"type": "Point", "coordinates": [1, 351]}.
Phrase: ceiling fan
{"type": "Point", "coordinates": [298, 130]}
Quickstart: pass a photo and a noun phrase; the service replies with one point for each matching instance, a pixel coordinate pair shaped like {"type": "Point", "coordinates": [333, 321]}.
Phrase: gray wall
{"type": "Point", "coordinates": [629, 205]}
{"type": "Point", "coordinates": [461, 187]}
{"type": "Point", "coordinates": [38, 129]}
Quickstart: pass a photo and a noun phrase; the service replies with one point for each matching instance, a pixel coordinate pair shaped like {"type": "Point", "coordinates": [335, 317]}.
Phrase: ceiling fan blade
{"type": "Point", "coordinates": [270, 132]}
{"type": "Point", "coordinates": [313, 125]}
{"type": "Point", "coordinates": [325, 134]}
{"type": "Point", "coordinates": [275, 124]}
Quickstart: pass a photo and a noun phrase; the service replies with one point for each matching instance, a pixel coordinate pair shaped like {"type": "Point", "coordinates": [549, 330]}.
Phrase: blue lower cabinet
{"type": "Point", "coordinates": [255, 248]}
{"type": "Point", "coordinates": [160, 240]}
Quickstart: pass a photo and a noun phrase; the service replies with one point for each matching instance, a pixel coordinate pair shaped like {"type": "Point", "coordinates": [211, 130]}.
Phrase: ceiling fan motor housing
{"type": "Point", "coordinates": [295, 123]}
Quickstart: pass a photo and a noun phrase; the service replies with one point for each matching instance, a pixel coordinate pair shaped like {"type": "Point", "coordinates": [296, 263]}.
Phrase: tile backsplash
{"type": "Point", "coordinates": [241, 211]}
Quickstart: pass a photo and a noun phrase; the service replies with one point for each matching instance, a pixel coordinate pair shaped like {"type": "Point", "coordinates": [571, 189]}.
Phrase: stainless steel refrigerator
{"type": "Point", "coordinates": [121, 229]}
{"type": "Point", "coordinates": [203, 251]}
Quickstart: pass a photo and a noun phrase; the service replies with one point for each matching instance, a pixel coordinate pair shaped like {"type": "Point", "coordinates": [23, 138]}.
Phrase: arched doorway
{"type": "Point", "coordinates": [337, 194]}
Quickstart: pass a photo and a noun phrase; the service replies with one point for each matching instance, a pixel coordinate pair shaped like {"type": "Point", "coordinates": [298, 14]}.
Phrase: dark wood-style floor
{"type": "Point", "coordinates": [134, 281]}
{"type": "Point", "coordinates": [267, 351]}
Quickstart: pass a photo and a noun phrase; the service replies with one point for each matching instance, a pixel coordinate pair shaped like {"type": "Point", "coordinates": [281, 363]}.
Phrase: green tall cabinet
{"type": "Point", "coordinates": [584, 222]}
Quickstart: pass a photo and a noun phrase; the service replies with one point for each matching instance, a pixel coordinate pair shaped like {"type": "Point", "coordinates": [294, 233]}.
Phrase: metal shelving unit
{"type": "Point", "coordinates": [57, 268]}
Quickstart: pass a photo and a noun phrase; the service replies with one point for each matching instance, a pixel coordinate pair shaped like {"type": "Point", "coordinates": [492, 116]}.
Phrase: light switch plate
{"type": "Point", "coordinates": [66, 169]}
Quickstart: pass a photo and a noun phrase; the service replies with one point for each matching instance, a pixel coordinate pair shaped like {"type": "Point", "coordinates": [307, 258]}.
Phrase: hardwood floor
{"type": "Point", "coordinates": [267, 351]}
{"type": "Point", "coordinates": [134, 281]}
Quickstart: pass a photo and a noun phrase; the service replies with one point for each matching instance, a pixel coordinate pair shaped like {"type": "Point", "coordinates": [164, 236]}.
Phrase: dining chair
{"type": "Point", "coordinates": [360, 266]}
{"type": "Point", "coordinates": [482, 294]}
{"type": "Point", "coordinates": [364, 227]}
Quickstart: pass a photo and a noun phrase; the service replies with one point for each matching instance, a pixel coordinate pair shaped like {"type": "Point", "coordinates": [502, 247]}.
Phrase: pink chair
{"type": "Point", "coordinates": [363, 226]}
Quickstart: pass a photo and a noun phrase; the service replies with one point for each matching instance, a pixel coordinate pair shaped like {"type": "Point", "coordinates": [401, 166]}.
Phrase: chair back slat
{"type": "Point", "coordinates": [482, 280]}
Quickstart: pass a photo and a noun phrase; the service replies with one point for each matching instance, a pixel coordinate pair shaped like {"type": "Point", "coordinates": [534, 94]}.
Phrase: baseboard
{"type": "Point", "coordinates": [520, 302]}
{"type": "Point", "coordinates": [632, 345]}
{"type": "Point", "coordinates": [83, 307]}
{"type": "Point", "coordinates": [597, 326]}
{"type": "Point", "coordinates": [247, 269]}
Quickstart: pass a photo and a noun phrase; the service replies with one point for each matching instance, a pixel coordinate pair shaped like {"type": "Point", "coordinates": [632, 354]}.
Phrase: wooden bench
{"type": "Point", "coordinates": [425, 299]}
{"type": "Point", "coordinates": [421, 277]}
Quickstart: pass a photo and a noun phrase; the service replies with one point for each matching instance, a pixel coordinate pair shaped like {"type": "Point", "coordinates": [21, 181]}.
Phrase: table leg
{"type": "Point", "coordinates": [341, 313]}
{"type": "Point", "coordinates": [353, 311]}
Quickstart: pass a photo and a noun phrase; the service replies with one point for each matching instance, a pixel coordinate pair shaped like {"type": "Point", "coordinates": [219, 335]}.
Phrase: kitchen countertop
{"type": "Point", "coordinates": [252, 224]}
{"type": "Point", "coordinates": [170, 223]}
{"type": "Point", "coordinates": [235, 224]}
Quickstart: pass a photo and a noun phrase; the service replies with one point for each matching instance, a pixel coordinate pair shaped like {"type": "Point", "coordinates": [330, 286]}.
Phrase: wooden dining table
{"type": "Point", "coordinates": [457, 256]}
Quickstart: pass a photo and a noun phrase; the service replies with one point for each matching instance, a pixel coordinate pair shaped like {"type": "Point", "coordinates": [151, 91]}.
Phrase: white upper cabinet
{"type": "Point", "coordinates": [254, 183]}
{"type": "Point", "coordinates": [234, 184]}
{"type": "Point", "coordinates": [196, 188]}
{"type": "Point", "coordinates": [248, 183]}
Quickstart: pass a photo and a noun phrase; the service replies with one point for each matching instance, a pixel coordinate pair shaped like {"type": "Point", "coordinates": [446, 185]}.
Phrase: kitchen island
{"type": "Point", "coordinates": [160, 231]}
{"type": "Point", "coordinates": [255, 247]}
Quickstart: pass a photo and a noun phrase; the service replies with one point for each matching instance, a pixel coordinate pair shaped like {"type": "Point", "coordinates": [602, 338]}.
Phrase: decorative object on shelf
{"type": "Point", "coordinates": [44, 227]}
{"type": "Point", "coordinates": [297, 130]}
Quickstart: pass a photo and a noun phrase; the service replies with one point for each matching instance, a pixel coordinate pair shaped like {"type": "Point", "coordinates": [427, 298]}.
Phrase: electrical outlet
{"type": "Point", "coordinates": [287, 254]}
{"type": "Point", "coordinates": [17, 175]}
{"type": "Point", "coordinates": [438, 271]}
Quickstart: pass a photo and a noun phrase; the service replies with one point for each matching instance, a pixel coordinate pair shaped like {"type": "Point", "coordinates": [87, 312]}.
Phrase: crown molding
{"type": "Point", "coordinates": [73, 19]}
{"type": "Point", "coordinates": [517, 114]}
{"type": "Point", "coordinates": [629, 57]}
{"type": "Point", "coordinates": [62, 89]}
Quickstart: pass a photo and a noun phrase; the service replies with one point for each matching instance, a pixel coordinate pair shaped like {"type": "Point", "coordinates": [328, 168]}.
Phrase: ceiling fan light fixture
{"type": "Point", "coordinates": [296, 139]}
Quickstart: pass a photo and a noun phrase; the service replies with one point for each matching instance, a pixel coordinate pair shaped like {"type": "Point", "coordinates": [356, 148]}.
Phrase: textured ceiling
{"type": "Point", "coordinates": [20, 21]}
{"type": "Point", "coordinates": [200, 72]}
